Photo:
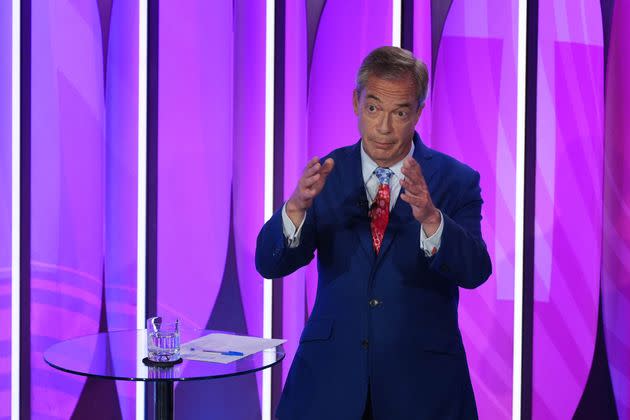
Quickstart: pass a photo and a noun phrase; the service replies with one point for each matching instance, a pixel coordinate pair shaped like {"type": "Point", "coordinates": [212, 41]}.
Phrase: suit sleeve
{"type": "Point", "coordinates": [274, 257]}
{"type": "Point", "coordinates": [463, 257]}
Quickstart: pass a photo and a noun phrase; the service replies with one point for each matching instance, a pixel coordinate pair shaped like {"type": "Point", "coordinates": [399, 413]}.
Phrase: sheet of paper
{"type": "Point", "coordinates": [207, 348]}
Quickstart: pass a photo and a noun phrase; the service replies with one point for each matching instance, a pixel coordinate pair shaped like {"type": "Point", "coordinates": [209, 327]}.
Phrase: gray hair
{"type": "Point", "coordinates": [393, 63]}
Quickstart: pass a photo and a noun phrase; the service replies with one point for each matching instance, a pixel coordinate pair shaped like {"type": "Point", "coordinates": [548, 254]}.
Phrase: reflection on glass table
{"type": "Point", "coordinates": [118, 356]}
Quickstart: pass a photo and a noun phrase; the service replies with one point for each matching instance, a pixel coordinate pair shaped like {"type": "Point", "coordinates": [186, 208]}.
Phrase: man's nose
{"type": "Point", "coordinates": [385, 124]}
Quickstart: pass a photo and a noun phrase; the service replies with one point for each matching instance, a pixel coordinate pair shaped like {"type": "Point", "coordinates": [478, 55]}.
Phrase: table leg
{"type": "Point", "coordinates": [163, 400]}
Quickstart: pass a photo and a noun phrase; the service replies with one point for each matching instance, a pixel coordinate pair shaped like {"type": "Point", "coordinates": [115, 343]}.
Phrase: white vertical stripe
{"type": "Point", "coordinates": [143, 14]}
{"type": "Point", "coordinates": [519, 212]}
{"type": "Point", "coordinates": [396, 23]}
{"type": "Point", "coordinates": [268, 204]}
{"type": "Point", "coordinates": [15, 209]}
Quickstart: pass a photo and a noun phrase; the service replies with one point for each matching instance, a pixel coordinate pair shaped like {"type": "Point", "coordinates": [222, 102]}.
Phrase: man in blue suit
{"type": "Point", "coordinates": [396, 227]}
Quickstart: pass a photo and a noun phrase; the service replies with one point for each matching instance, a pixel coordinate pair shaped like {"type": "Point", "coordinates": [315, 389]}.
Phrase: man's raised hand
{"type": "Point", "coordinates": [418, 196]}
{"type": "Point", "coordinates": [310, 184]}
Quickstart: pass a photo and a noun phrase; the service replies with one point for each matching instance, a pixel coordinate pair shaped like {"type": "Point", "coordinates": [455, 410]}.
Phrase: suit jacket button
{"type": "Point", "coordinates": [374, 303]}
{"type": "Point", "coordinates": [444, 268]}
{"type": "Point", "coordinates": [365, 344]}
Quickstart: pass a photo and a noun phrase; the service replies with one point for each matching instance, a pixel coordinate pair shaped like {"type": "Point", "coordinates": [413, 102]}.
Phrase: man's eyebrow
{"type": "Point", "coordinates": [376, 98]}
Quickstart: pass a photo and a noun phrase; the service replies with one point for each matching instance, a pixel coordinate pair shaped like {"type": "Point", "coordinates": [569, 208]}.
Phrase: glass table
{"type": "Point", "coordinates": [118, 356]}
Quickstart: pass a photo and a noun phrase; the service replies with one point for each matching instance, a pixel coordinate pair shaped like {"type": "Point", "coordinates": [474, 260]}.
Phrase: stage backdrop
{"type": "Point", "coordinates": [83, 193]}
{"type": "Point", "coordinates": [210, 143]}
{"type": "Point", "coordinates": [473, 118]}
{"type": "Point", "coordinates": [569, 171]}
{"type": "Point", "coordinates": [210, 205]}
{"type": "Point", "coordinates": [616, 229]}
{"type": "Point", "coordinates": [5, 209]}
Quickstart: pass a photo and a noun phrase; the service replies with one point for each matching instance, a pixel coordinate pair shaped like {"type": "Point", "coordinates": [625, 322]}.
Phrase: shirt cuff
{"type": "Point", "coordinates": [291, 234]}
{"type": "Point", "coordinates": [431, 245]}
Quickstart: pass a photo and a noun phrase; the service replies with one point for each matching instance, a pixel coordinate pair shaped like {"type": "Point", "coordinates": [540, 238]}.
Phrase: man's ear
{"type": "Point", "coordinates": [355, 102]}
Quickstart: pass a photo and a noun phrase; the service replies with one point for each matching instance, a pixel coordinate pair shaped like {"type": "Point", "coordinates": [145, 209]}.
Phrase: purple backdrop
{"type": "Point", "coordinates": [248, 165]}
{"type": "Point", "coordinates": [211, 172]}
{"type": "Point", "coordinates": [68, 117]}
{"type": "Point", "coordinates": [5, 209]}
{"type": "Point", "coordinates": [568, 203]}
{"type": "Point", "coordinates": [474, 120]}
{"type": "Point", "coordinates": [422, 49]}
{"type": "Point", "coordinates": [121, 178]}
{"type": "Point", "coordinates": [195, 143]}
{"type": "Point", "coordinates": [616, 240]}
{"type": "Point", "coordinates": [83, 189]}
{"type": "Point", "coordinates": [211, 181]}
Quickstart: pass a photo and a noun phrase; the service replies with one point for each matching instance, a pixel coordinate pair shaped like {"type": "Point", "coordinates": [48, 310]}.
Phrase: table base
{"type": "Point", "coordinates": [162, 399]}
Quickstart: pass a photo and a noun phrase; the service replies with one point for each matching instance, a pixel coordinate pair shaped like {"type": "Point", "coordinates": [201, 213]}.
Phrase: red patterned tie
{"type": "Point", "coordinates": [379, 211]}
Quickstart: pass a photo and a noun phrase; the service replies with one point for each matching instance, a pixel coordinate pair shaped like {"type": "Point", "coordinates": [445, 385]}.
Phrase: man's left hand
{"type": "Point", "coordinates": [417, 195]}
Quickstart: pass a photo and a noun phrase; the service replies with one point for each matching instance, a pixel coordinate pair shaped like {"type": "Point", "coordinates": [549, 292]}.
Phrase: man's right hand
{"type": "Point", "coordinates": [311, 183]}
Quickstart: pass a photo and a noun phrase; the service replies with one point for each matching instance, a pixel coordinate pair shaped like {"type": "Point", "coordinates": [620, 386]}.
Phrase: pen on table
{"type": "Point", "coordinates": [221, 352]}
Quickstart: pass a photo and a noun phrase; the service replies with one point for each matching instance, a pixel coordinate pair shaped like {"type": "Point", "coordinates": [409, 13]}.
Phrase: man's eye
{"type": "Point", "coordinates": [402, 114]}
{"type": "Point", "coordinates": [371, 108]}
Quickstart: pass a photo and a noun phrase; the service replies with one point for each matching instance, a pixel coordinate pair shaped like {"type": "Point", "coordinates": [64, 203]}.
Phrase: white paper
{"type": "Point", "coordinates": [194, 350]}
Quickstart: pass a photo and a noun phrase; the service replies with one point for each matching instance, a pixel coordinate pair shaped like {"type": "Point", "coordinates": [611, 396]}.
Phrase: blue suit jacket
{"type": "Point", "coordinates": [388, 320]}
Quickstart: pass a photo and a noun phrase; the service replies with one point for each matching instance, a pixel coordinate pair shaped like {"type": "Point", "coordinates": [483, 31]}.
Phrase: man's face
{"type": "Point", "coordinates": [388, 112]}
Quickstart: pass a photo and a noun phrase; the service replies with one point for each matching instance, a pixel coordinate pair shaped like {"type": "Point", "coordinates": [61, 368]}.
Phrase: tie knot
{"type": "Point", "coordinates": [383, 175]}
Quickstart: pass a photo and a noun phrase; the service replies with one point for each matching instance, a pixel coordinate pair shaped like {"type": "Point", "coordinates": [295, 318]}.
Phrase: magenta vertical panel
{"type": "Point", "coordinates": [248, 185]}
{"type": "Point", "coordinates": [422, 49]}
{"type": "Point", "coordinates": [348, 30]}
{"type": "Point", "coordinates": [210, 189]}
{"type": "Point", "coordinates": [121, 179]}
{"type": "Point", "coordinates": [211, 181]}
{"type": "Point", "coordinates": [295, 155]}
{"type": "Point", "coordinates": [121, 98]}
{"type": "Point", "coordinates": [569, 179]}
{"type": "Point", "coordinates": [566, 321]}
{"type": "Point", "coordinates": [5, 209]}
{"type": "Point", "coordinates": [474, 120]}
{"type": "Point", "coordinates": [67, 191]}
{"type": "Point", "coordinates": [195, 156]}
{"type": "Point", "coordinates": [616, 240]}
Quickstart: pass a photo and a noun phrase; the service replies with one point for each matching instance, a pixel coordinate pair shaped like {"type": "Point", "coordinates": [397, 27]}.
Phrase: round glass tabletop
{"type": "Point", "coordinates": [118, 355]}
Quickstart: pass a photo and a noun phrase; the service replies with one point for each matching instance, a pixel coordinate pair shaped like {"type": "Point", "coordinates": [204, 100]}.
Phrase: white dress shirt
{"type": "Point", "coordinates": [430, 245]}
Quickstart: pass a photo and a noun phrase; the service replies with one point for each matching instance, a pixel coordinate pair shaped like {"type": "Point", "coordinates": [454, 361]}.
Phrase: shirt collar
{"type": "Point", "coordinates": [368, 165]}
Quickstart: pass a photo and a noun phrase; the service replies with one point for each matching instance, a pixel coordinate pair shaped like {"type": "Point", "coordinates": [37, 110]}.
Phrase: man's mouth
{"type": "Point", "coordinates": [383, 144]}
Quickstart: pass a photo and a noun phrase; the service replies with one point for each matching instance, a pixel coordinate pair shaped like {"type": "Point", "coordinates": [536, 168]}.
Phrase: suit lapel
{"type": "Point", "coordinates": [401, 214]}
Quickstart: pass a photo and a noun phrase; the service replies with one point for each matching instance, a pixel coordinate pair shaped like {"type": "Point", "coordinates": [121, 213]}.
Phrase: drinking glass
{"type": "Point", "coordinates": [163, 340]}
